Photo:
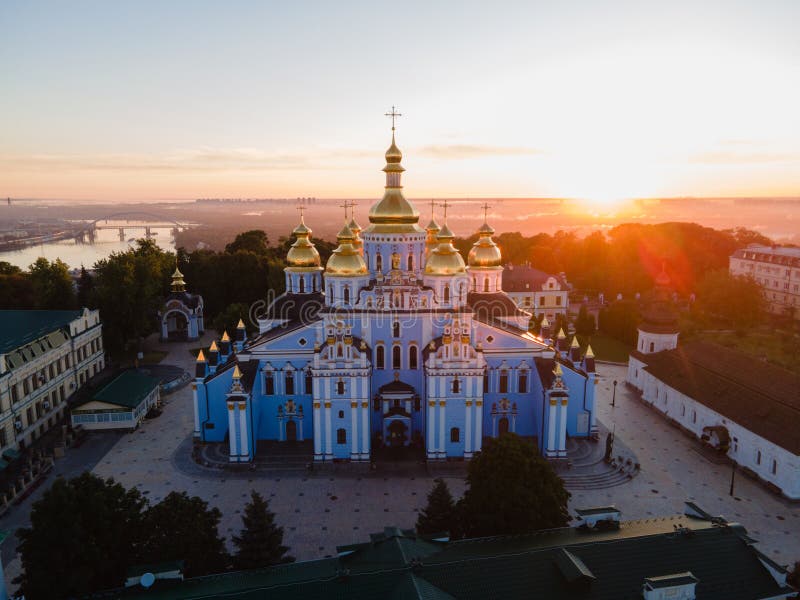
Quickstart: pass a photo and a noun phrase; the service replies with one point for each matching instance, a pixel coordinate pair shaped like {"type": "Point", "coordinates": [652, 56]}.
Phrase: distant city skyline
{"type": "Point", "coordinates": [601, 101]}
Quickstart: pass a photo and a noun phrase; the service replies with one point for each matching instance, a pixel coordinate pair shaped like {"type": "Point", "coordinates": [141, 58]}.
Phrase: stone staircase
{"type": "Point", "coordinates": [586, 470]}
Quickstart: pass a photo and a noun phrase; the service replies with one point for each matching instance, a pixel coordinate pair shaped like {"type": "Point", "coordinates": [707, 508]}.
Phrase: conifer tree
{"type": "Point", "coordinates": [440, 513]}
{"type": "Point", "coordinates": [260, 543]}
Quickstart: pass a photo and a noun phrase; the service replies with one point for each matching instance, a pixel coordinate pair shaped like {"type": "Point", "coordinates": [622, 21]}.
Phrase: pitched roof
{"type": "Point", "coordinates": [525, 278]}
{"type": "Point", "coordinates": [759, 396]}
{"type": "Point", "coordinates": [128, 390]}
{"type": "Point", "coordinates": [20, 327]}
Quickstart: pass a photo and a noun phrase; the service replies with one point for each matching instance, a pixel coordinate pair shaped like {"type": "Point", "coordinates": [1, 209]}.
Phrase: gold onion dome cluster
{"type": "Point", "coordinates": [445, 259]}
{"type": "Point", "coordinates": [302, 254]}
{"type": "Point", "coordinates": [393, 208]}
{"type": "Point", "coordinates": [345, 260]}
{"type": "Point", "coordinates": [484, 252]}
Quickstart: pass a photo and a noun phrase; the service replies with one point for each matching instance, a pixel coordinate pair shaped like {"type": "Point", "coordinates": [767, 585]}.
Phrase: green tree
{"type": "Point", "coordinates": [85, 288]}
{"type": "Point", "coordinates": [181, 527]}
{"type": "Point", "coordinates": [254, 241]}
{"type": "Point", "coordinates": [229, 318]}
{"type": "Point", "coordinates": [6, 268]}
{"type": "Point", "coordinates": [511, 490]}
{"type": "Point", "coordinates": [440, 513]}
{"type": "Point", "coordinates": [52, 284]}
{"type": "Point", "coordinates": [584, 324]}
{"type": "Point", "coordinates": [736, 300]}
{"type": "Point", "coordinates": [260, 543]}
{"type": "Point", "coordinates": [83, 535]}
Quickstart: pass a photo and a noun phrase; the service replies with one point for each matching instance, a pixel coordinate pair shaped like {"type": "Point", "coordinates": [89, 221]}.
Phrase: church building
{"type": "Point", "coordinates": [396, 341]}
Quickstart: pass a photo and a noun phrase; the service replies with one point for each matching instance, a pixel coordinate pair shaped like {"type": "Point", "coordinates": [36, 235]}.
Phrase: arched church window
{"type": "Point", "coordinates": [410, 263]}
{"type": "Point", "coordinates": [289, 380]}
{"type": "Point", "coordinates": [346, 295]}
{"type": "Point", "coordinates": [340, 387]}
{"type": "Point", "coordinates": [455, 435]}
{"type": "Point", "coordinates": [379, 357]}
{"type": "Point", "coordinates": [412, 357]}
{"type": "Point", "coordinates": [309, 382]}
{"type": "Point", "coordinates": [341, 414]}
{"type": "Point", "coordinates": [486, 382]}
{"type": "Point", "coordinates": [522, 382]}
{"type": "Point", "coordinates": [485, 284]}
{"type": "Point", "coordinates": [396, 329]}
{"type": "Point", "coordinates": [456, 385]}
{"type": "Point", "coordinates": [447, 293]}
{"type": "Point", "coordinates": [339, 351]}
{"type": "Point", "coordinates": [269, 384]}
{"type": "Point", "coordinates": [378, 263]}
{"type": "Point", "coordinates": [652, 346]}
{"type": "Point", "coordinates": [503, 382]}
{"type": "Point", "coordinates": [290, 285]}
{"type": "Point", "coordinates": [341, 436]}
{"type": "Point", "coordinates": [396, 357]}
{"type": "Point", "coordinates": [313, 284]}
{"type": "Point", "coordinates": [330, 292]}
{"type": "Point", "coordinates": [302, 285]}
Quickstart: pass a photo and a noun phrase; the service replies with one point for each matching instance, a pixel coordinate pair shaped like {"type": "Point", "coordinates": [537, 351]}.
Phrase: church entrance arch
{"type": "Point", "coordinates": [398, 434]}
{"type": "Point", "coordinates": [177, 325]}
{"type": "Point", "coordinates": [291, 431]}
{"type": "Point", "coordinates": [502, 426]}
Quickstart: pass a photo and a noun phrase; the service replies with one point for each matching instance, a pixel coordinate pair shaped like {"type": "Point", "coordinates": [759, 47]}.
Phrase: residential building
{"type": "Point", "coordinates": [122, 404]}
{"type": "Point", "coordinates": [777, 270]}
{"type": "Point", "coordinates": [45, 356]}
{"type": "Point", "coordinates": [687, 556]}
{"type": "Point", "coordinates": [536, 291]}
{"type": "Point", "coordinates": [395, 342]}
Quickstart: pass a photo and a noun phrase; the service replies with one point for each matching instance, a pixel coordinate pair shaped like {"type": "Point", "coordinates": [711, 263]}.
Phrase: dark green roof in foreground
{"type": "Point", "coordinates": [561, 563]}
{"type": "Point", "coordinates": [20, 327]}
{"type": "Point", "coordinates": [128, 390]}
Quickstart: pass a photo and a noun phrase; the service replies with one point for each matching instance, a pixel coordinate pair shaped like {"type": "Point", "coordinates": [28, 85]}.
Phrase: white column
{"type": "Point", "coordinates": [354, 427]}
{"type": "Point", "coordinates": [551, 427]}
{"type": "Point", "coordinates": [365, 432]}
{"type": "Point", "coordinates": [468, 429]}
{"type": "Point", "coordinates": [196, 410]}
{"type": "Point", "coordinates": [442, 423]}
{"type": "Point", "coordinates": [431, 428]}
{"type": "Point", "coordinates": [562, 429]}
{"type": "Point", "coordinates": [244, 429]}
{"type": "Point", "coordinates": [478, 425]}
{"type": "Point", "coordinates": [328, 436]}
{"type": "Point", "coordinates": [317, 430]}
{"type": "Point", "coordinates": [233, 424]}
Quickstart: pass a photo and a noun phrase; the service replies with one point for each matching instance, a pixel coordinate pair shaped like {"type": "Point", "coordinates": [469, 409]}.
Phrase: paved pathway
{"type": "Point", "coordinates": [321, 511]}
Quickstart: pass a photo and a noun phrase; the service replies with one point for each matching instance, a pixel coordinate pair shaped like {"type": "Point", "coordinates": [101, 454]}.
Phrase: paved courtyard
{"type": "Point", "coordinates": [320, 511]}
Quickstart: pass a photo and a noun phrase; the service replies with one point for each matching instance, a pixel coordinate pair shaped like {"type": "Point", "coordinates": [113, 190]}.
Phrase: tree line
{"type": "Point", "coordinates": [86, 532]}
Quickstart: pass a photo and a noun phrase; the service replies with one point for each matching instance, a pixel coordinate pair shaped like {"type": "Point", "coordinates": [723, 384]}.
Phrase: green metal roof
{"type": "Point", "coordinates": [128, 390]}
{"type": "Point", "coordinates": [21, 327]}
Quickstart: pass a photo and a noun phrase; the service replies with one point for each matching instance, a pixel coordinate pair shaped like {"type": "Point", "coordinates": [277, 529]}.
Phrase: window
{"type": "Point", "coordinates": [289, 379]}
{"type": "Point", "coordinates": [523, 382]}
{"type": "Point", "coordinates": [412, 357]}
{"type": "Point", "coordinates": [302, 285]}
{"type": "Point", "coordinates": [29, 414]}
{"type": "Point", "coordinates": [410, 263]}
{"type": "Point", "coordinates": [341, 414]}
{"type": "Point", "coordinates": [456, 385]}
{"type": "Point", "coordinates": [503, 382]}
{"type": "Point", "coordinates": [3, 440]}
{"type": "Point", "coordinates": [14, 396]}
{"type": "Point", "coordinates": [447, 293]}
{"type": "Point", "coordinates": [379, 357]}
{"type": "Point", "coordinates": [346, 295]}
{"type": "Point", "coordinates": [396, 357]}
{"type": "Point", "coordinates": [396, 329]}
{"type": "Point", "coordinates": [309, 384]}
{"type": "Point", "coordinates": [652, 346]}
{"type": "Point", "coordinates": [558, 300]}
{"type": "Point", "coordinates": [683, 410]}
{"type": "Point", "coordinates": [378, 263]}
{"type": "Point", "coordinates": [455, 434]}
{"type": "Point", "coordinates": [541, 300]}
{"type": "Point", "coordinates": [485, 284]}
{"type": "Point", "coordinates": [774, 467]}
{"type": "Point", "coordinates": [694, 416]}
{"type": "Point", "coordinates": [486, 382]}
{"type": "Point", "coordinates": [758, 456]}
{"type": "Point", "coordinates": [340, 387]}
{"type": "Point", "coordinates": [269, 384]}
{"type": "Point", "coordinates": [341, 436]}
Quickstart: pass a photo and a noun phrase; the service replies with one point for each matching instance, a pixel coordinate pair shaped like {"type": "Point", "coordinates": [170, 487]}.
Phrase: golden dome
{"type": "Point", "coordinates": [345, 261]}
{"type": "Point", "coordinates": [444, 259]}
{"type": "Point", "coordinates": [302, 253]}
{"type": "Point", "coordinates": [393, 213]}
{"type": "Point", "coordinates": [432, 227]}
{"type": "Point", "coordinates": [178, 284]}
{"type": "Point", "coordinates": [393, 154]}
{"type": "Point", "coordinates": [484, 252]}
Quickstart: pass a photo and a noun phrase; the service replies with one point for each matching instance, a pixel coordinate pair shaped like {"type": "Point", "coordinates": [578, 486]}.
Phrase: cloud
{"type": "Point", "coordinates": [463, 151]}
{"type": "Point", "coordinates": [724, 157]}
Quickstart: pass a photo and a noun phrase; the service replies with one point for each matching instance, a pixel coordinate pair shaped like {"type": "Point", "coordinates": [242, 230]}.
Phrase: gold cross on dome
{"type": "Point", "coordinates": [444, 205]}
{"type": "Point", "coordinates": [394, 114]}
{"type": "Point", "coordinates": [302, 209]}
{"type": "Point", "coordinates": [485, 208]}
{"type": "Point", "coordinates": [345, 206]}
{"type": "Point", "coordinates": [433, 203]}
{"type": "Point", "coordinates": [352, 204]}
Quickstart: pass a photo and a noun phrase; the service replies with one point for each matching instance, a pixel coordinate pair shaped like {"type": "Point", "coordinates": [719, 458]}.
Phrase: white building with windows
{"type": "Point", "coordinates": [45, 356]}
{"type": "Point", "coordinates": [121, 404]}
{"type": "Point", "coordinates": [777, 270]}
{"type": "Point", "coordinates": [536, 291]}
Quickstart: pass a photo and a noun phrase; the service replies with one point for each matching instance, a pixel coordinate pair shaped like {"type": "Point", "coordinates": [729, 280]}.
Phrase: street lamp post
{"type": "Point", "coordinates": [614, 396]}
{"type": "Point", "coordinates": [733, 475]}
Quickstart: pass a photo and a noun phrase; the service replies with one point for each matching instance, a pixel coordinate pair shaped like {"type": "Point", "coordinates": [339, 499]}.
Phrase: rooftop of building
{"type": "Point", "coordinates": [789, 255]}
{"type": "Point", "coordinates": [20, 327]}
{"type": "Point", "coordinates": [128, 389]}
{"type": "Point", "coordinates": [523, 278]}
{"type": "Point", "coordinates": [568, 562]}
{"type": "Point", "coordinates": [756, 395]}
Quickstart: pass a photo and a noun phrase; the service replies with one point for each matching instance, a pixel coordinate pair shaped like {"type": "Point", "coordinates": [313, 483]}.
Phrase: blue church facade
{"type": "Point", "coordinates": [396, 341]}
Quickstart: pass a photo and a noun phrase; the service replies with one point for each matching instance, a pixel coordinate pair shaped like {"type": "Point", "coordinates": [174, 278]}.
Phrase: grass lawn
{"type": "Point", "coordinates": [606, 348]}
{"type": "Point", "coordinates": [777, 349]}
{"type": "Point", "coordinates": [150, 358]}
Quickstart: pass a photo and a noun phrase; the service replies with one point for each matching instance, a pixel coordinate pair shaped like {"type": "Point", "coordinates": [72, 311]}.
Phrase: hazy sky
{"type": "Point", "coordinates": [171, 99]}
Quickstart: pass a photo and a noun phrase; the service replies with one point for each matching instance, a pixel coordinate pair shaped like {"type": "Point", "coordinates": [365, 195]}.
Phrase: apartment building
{"type": "Point", "coordinates": [45, 357]}
{"type": "Point", "coordinates": [536, 291]}
{"type": "Point", "coordinates": [777, 270]}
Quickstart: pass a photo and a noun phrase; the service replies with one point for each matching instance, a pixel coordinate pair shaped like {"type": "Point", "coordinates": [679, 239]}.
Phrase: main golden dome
{"type": "Point", "coordinates": [393, 213]}
{"type": "Point", "coordinates": [302, 254]}
{"type": "Point", "coordinates": [345, 261]}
